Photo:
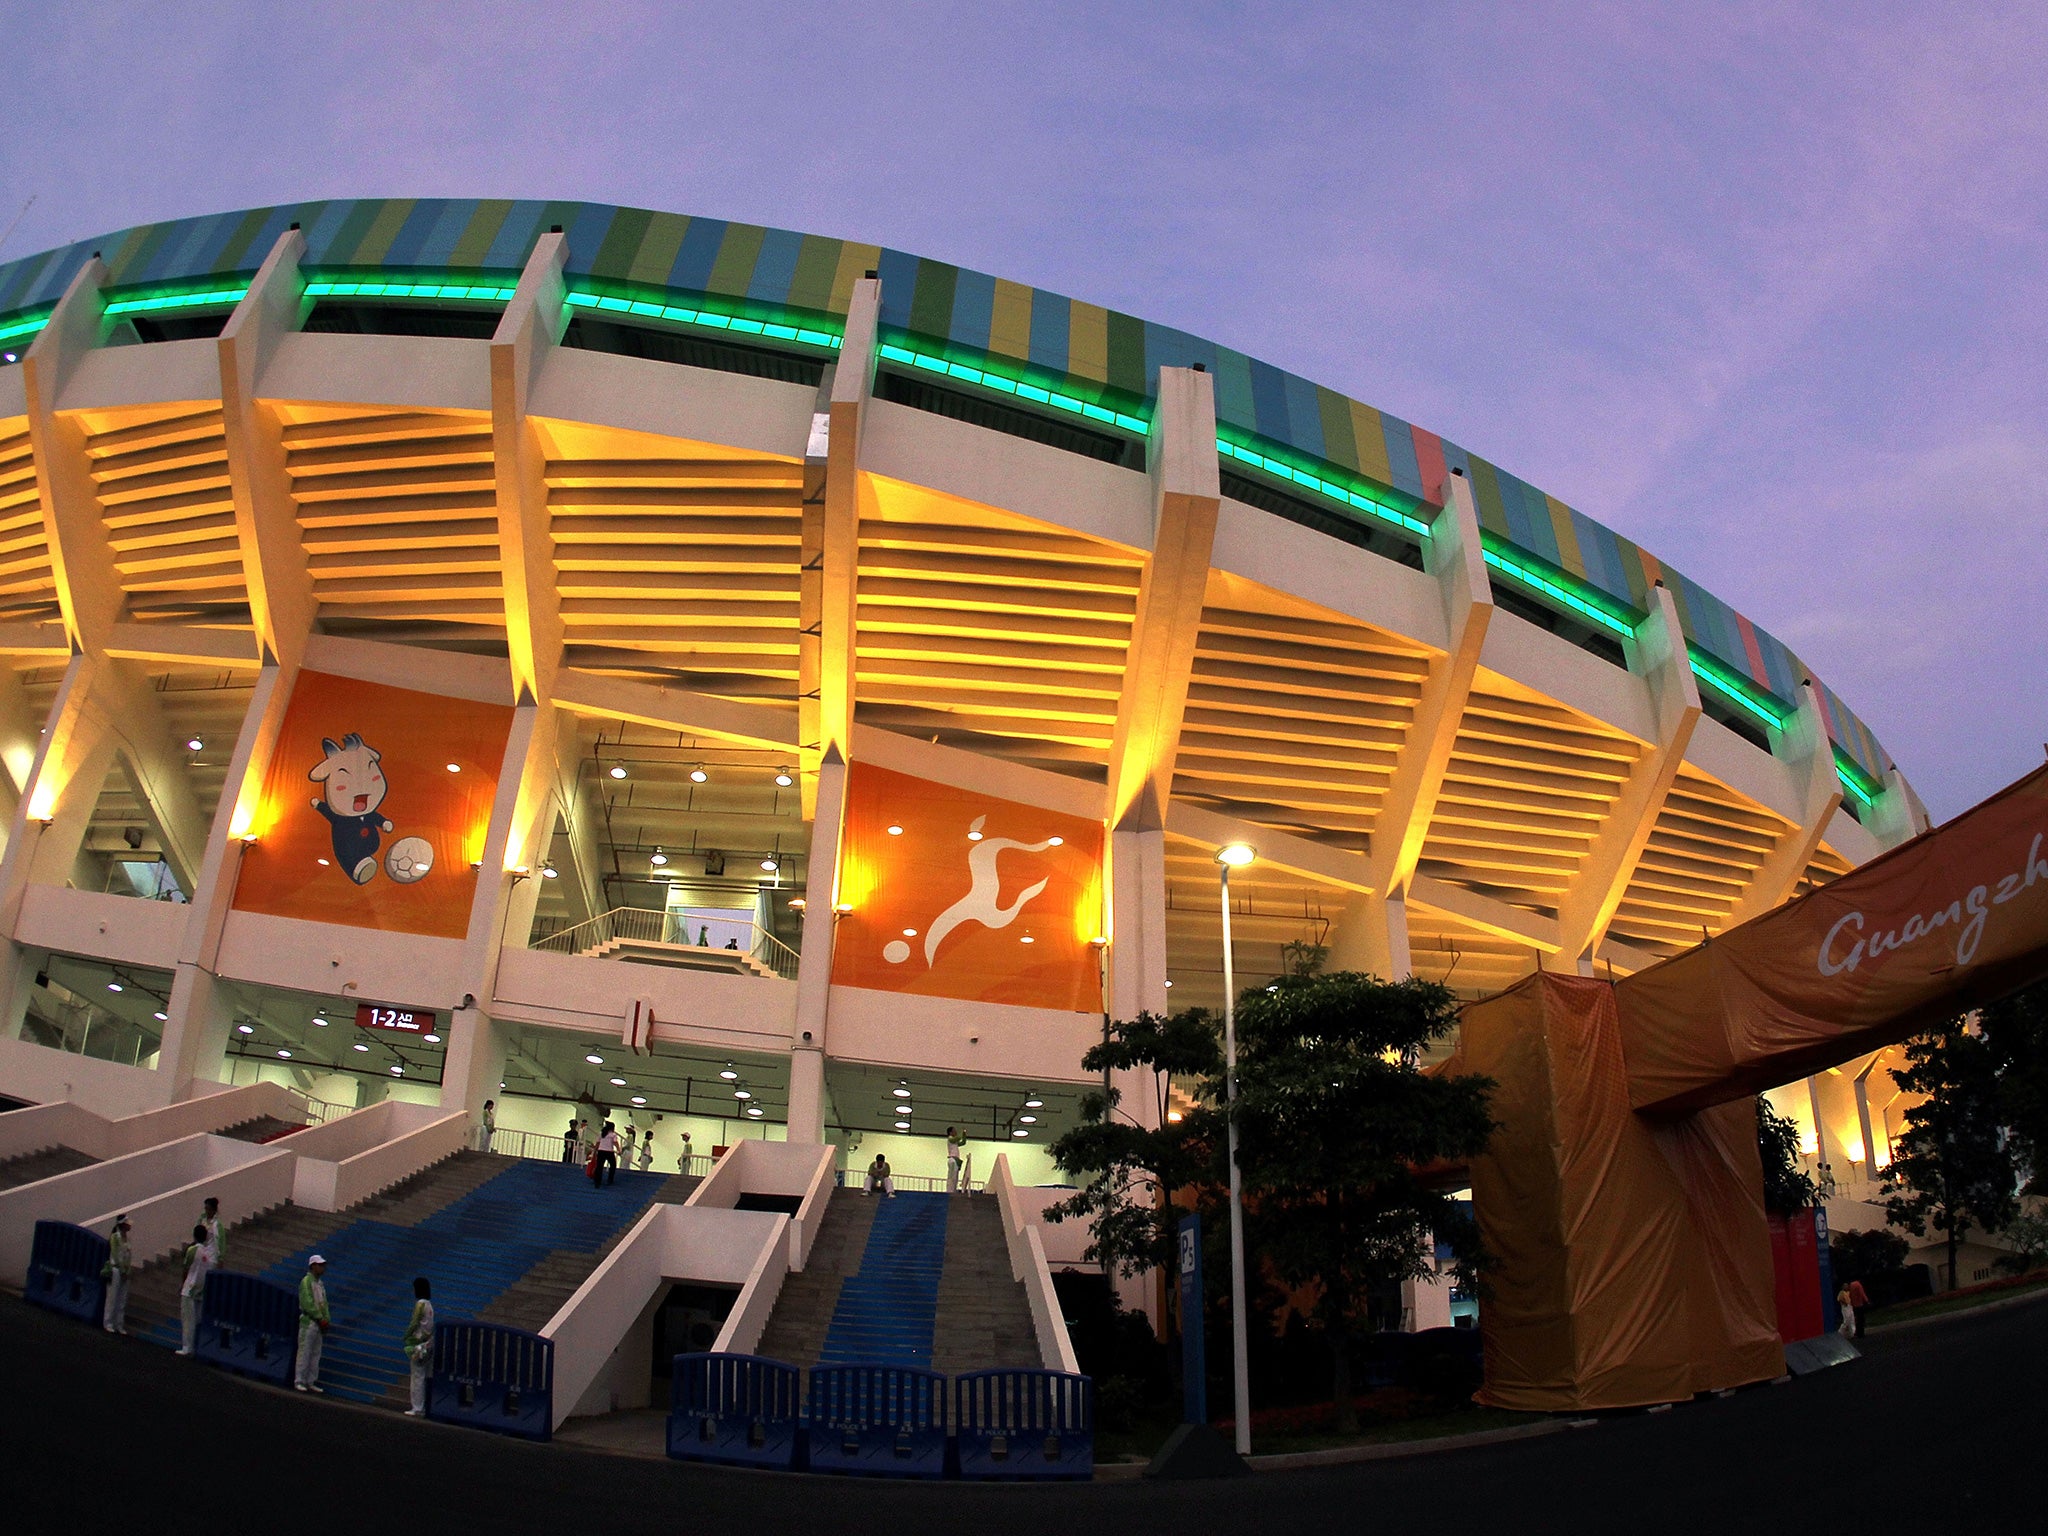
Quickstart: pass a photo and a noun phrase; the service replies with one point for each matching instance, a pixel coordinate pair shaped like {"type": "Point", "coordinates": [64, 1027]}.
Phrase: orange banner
{"type": "Point", "coordinates": [1953, 919]}
{"type": "Point", "coordinates": [952, 893]}
{"type": "Point", "coordinates": [375, 806]}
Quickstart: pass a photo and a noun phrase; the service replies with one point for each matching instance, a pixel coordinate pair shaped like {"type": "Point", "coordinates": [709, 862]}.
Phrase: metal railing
{"type": "Point", "coordinates": [546, 1147]}
{"type": "Point", "coordinates": [857, 1178]}
{"type": "Point", "coordinates": [648, 925]}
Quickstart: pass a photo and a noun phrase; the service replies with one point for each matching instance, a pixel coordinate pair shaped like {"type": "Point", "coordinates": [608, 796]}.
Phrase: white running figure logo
{"type": "Point", "coordinates": [979, 904]}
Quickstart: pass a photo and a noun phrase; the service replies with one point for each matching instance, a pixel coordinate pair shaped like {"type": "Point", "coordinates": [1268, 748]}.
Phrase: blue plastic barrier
{"type": "Point", "coordinates": [878, 1421]}
{"type": "Point", "coordinates": [249, 1325]}
{"type": "Point", "coordinates": [64, 1271]}
{"type": "Point", "coordinates": [499, 1379]}
{"type": "Point", "coordinates": [1025, 1424]}
{"type": "Point", "coordinates": [739, 1410]}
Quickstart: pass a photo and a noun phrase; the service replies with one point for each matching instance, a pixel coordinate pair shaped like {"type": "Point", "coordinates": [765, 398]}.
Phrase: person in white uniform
{"type": "Point", "coordinates": [198, 1263]}
{"type": "Point", "coordinates": [956, 1143]}
{"type": "Point", "coordinates": [313, 1320]}
{"type": "Point", "coordinates": [419, 1345]}
{"type": "Point", "coordinates": [647, 1150]}
{"type": "Point", "coordinates": [118, 1266]}
{"type": "Point", "coordinates": [881, 1177]}
{"type": "Point", "coordinates": [216, 1231]}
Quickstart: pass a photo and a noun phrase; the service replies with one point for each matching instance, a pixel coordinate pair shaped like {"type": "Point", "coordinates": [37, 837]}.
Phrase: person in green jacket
{"type": "Point", "coordinates": [313, 1320]}
{"type": "Point", "coordinates": [115, 1271]}
{"type": "Point", "coordinates": [419, 1344]}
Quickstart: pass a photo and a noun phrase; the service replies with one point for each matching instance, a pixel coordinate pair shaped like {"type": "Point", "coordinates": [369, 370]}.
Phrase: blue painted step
{"type": "Point", "coordinates": [473, 1250]}
{"type": "Point", "coordinates": [889, 1306]}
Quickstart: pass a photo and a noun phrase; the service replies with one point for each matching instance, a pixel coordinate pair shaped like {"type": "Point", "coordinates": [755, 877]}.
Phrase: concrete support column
{"type": "Point", "coordinates": [1658, 656]}
{"type": "Point", "coordinates": [190, 1051]}
{"type": "Point", "coordinates": [1372, 936]}
{"type": "Point", "coordinates": [532, 325]}
{"type": "Point", "coordinates": [1802, 744]}
{"type": "Point", "coordinates": [814, 962]}
{"type": "Point", "coordinates": [1137, 907]}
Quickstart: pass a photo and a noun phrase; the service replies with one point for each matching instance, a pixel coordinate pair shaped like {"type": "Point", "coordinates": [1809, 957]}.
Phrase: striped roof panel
{"type": "Point", "coordinates": [1094, 350]}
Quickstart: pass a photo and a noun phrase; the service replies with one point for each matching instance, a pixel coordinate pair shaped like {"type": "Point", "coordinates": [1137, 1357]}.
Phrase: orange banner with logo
{"type": "Point", "coordinates": [1956, 918]}
{"type": "Point", "coordinates": [376, 804]}
{"type": "Point", "coordinates": [953, 893]}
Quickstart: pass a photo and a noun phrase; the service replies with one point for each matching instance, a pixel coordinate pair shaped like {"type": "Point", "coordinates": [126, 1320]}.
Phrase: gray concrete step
{"type": "Point", "coordinates": [31, 1167]}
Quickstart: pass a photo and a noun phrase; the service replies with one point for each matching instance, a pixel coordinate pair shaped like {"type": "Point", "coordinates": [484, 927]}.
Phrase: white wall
{"type": "Point", "coordinates": [708, 1008]}
{"type": "Point", "coordinates": [939, 1034]}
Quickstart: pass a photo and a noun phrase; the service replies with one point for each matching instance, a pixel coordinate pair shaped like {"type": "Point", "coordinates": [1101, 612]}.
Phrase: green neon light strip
{"type": "Point", "coordinates": [23, 325]}
{"type": "Point", "coordinates": [156, 303]}
{"type": "Point", "coordinates": [1554, 586]}
{"type": "Point", "coordinates": [1343, 495]}
{"type": "Point", "coordinates": [377, 288]}
{"type": "Point", "coordinates": [808, 335]}
{"type": "Point", "coordinates": [1004, 384]}
{"type": "Point", "coordinates": [1855, 780]}
{"type": "Point", "coordinates": [1738, 690]}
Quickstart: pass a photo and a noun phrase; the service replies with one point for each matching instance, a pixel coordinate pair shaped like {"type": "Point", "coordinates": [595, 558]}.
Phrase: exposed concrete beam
{"type": "Point", "coordinates": [1657, 655]}
{"type": "Point", "coordinates": [21, 731]}
{"type": "Point", "coordinates": [179, 645]}
{"type": "Point", "coordinates": [1455, 558]}
{"type": "Point", "coordinates": [585, 874]}
{"type": "Point", "coordinates": [676, 709]}
{"type": "Point", "coordinates": [155, 768]}
{"type": "Point", "coordinates": [1371, 934]}
{"type": "Point", "coordinates": [1281, 850]}
{"type": "Point", "coordinates": [532, 325]}
{"type": "Point", "coordinates": [814, 962]}
{"type": "Point", "coordinates": [1486, 913]}
{"type": "Point", "coordinates": [829, 552]}
{"type": "Point", "coordinates": [1804, 746]}
{"type": "Point", "coordinates": [34, 640]}
{"type": "Point", "coordinates": [281, 603]}
{"type": "Point", "coordinates": [1898, 815]}
{"type": "Point", "coordinates": [1186, 491]}
{"type": "Point", "coordinates": [81, 557]}
{"type": "Point", "coordinates": [970, 770]}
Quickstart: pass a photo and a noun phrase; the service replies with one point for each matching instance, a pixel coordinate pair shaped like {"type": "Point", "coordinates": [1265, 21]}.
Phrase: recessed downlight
{"type": "Point", "coordinates": [245, 1029]}
{"type": "Point", "coordinates": [618, 1082]}
{"type": "Point", "coordinates": [359, 1046]}
{"type": "Point", "coordinates": [431, 1039]}
{"type": "Point", "coordinates": [639, 1099]}
{"type": "Point", "coordinates": [741, 1093]}
{"type": "Point", "coordinates": [594, 1059]}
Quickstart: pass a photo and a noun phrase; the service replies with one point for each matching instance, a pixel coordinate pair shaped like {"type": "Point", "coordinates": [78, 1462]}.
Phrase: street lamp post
{"type": "Point", "coordinates": [1235, 855]}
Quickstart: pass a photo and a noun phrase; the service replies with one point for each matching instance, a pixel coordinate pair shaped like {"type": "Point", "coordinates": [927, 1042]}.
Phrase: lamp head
{"type": "Point", "coordinates": [1236, 855]}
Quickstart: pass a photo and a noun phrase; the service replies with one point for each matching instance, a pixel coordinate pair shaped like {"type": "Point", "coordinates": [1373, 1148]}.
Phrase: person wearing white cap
{"type": "Point", "coordinates": [119, 1262]}
{"type": "Point", "coordinates": [198, 1261]}
{"type": "Point", "coordinates": [313, 1321]}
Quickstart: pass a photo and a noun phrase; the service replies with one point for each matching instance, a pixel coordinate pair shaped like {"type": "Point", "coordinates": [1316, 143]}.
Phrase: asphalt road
{"type": "Point", "coordinates": [1943, 1421]}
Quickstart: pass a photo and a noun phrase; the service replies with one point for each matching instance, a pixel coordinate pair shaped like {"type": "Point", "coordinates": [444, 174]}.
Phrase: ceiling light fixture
{"type": "Point", "coordinates": [431, 1039]}
{"type": "Point", "coordinates": [753, 1111]}
{"type": "Point", "coordinates": [698, 775]}
{"type": "Point", "coordinates": [398, 1071]}
{"type": "Point", "coordinates": [741, 1094]}
{"type": "Point", "coordinates": [770, 865]}
{"type": "Point", "coordinates": [782, 777]}
{"type": "Point", "coordinates": [728, 1074]}
{"type": "Point", "coordinates": [160, 1014]}
{"type": "Point", "coordinates": [594, 1059]}
{"type": "Point", "coordinates": [657, 858]}
{"type": "Point", "coordinates": [360, 1046]}
{"type": "Point", "coordinates": [1027, 1119]}
{"type": "Point", "coordinates": [196, 744]}
{"type": "Point", "coordinates": [618, 1082]}
{"type": "Point", "coordinates": [902, 1125]}
{"type": "Point", "coordinates": [318, 1022]}
{"type": "Point", "coordinates": [895, 831]}
{"type": "Point", "coordinates": [246, 1029]}
{"type": "Point", "coordinates": [637, 1099]}
{"type": "Point", "coordinates": [901, 1093]}
{"type": "Point", "coordinates": [1034, 1103]}
{"type": "Point", "coordinates": [1020, 1135]}
{"type": "Point", "coordinates": [797, 904]}
{"type": "Point", "coordinates": [618, 770]}
{"type": "Point", "coordinates": [287, 1055]}
{"type": "Point", "coordinates": [549, 872]}
{"type": "Point", "coordinates": [114, 986]}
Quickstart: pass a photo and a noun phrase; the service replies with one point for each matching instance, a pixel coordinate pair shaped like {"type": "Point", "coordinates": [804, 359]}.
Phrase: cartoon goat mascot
{"type": "Point", "coordinates": [353, 788]}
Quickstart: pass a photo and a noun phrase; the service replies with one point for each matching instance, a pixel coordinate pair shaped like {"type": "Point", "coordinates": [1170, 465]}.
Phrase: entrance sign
{"type": "Point", "coordinates": [406, 1021]}
{"type": "Point", "coordinates": [1194, 1364]}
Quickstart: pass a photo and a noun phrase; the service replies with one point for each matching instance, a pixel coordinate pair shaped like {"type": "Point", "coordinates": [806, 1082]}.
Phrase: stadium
{"type": "Point", "coordinates": [593, 660]}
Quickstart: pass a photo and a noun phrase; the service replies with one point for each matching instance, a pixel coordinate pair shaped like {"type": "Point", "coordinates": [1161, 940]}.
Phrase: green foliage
{"type": "Point", "coordinates": [1303, 958]}
{"type": "Point", "coordinates": [1787, 1186]}
{"type": "Point", "coordinates": [1335, 1124]}
{"type": "Point", "coordinates": [2029, 1238]}
{"type": "Point", "coordinates": [2017, 1031]}
{"type": "Point", "coordinates": [1951, 1168]}
{"type": "Point", "coordinates": [1129, 1172]}
{"type": "Point", "coordinates": [1867, 1255]}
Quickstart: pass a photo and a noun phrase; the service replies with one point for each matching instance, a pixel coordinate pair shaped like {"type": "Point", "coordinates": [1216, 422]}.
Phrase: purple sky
{"type": "Point", "coordinates": [1768, 292]}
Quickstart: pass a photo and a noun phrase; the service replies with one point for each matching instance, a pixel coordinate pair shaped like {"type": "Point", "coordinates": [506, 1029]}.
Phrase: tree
{"type": "Point", "coordinates": [1871, 1255]}
{"type": "Point", "coordinates": [2017, 1030]}
{"type": "Point", "coordinates": [1787, 1186]}
{"type": "Point", "coordinates": [1131, 1171]}
{"type": "Point", "coordinates": [1951, 1167]}
{"type": "Point", "coordinates": [1335, 1125]}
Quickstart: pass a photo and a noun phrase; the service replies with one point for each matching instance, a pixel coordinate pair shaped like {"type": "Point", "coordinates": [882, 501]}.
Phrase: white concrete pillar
{"type": "Point", "coordinates": [814, 962]}
{"type": "Point", "coordinates": [1372, 936]}
{"type": "Point", "coordinates": [1137, 904]}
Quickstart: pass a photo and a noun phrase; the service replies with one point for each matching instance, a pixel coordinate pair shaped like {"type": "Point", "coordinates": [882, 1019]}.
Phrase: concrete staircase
{"type": "Point", "coordinates": [922, 1280]}
{"type": "Point", "coordinates": [503, 1239]}
{"type": "Point", "coordinates": [263, 1128]}
{"type": "Point", "coordinates": [46, 1164]}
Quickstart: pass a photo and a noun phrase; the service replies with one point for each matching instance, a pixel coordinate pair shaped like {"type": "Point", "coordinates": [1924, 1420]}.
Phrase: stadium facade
{"type": "Point", "coordinates": [569, 654]}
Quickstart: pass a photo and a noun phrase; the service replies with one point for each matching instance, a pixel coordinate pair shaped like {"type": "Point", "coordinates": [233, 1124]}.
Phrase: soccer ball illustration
{"type": "Point", "coordinates": [409, 859]}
